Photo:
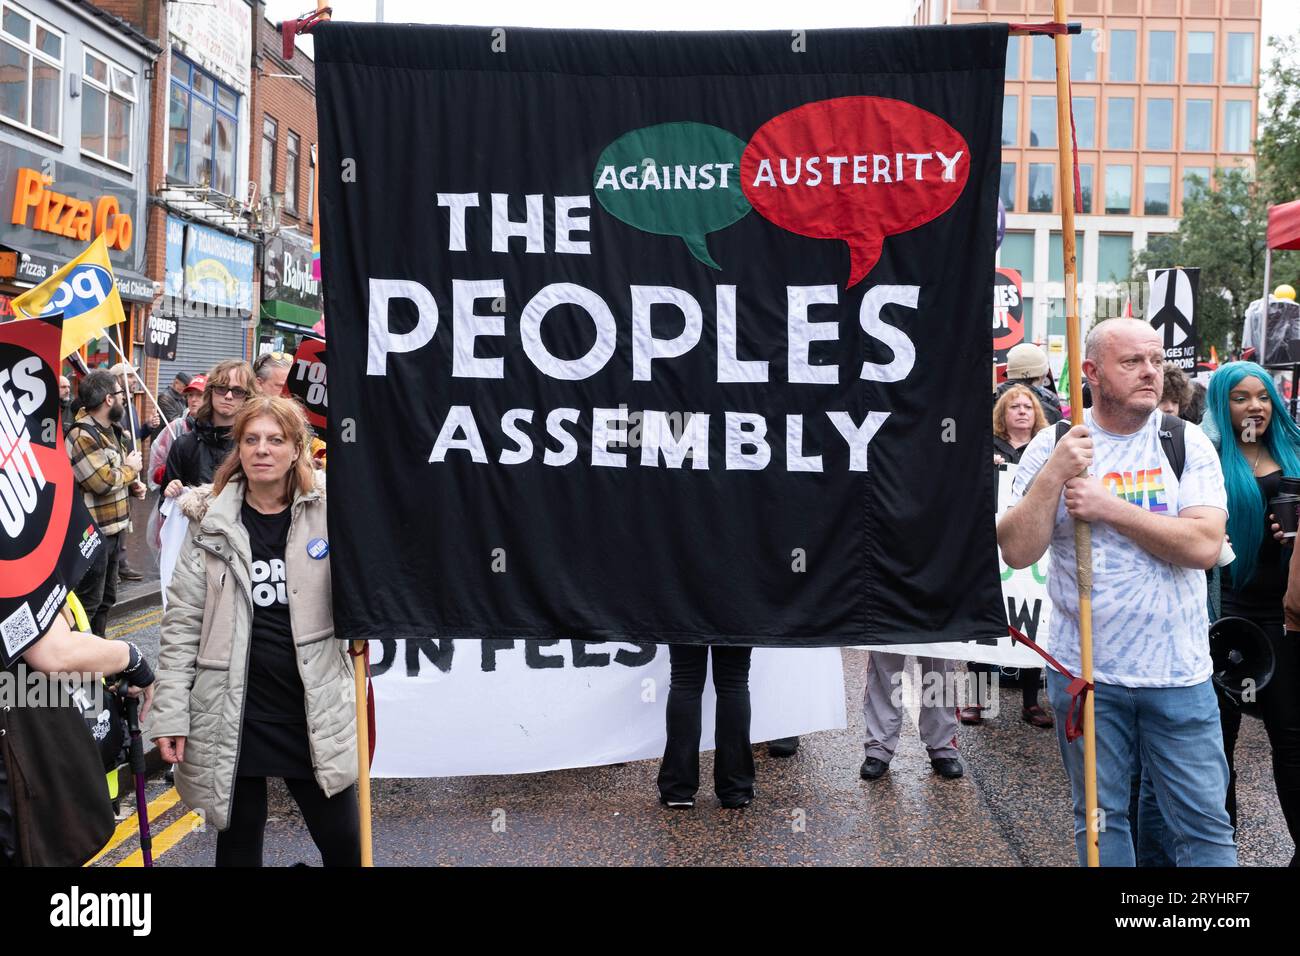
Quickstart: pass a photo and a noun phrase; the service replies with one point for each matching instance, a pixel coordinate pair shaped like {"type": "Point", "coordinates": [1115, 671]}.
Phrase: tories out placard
{"type": "Point", "coordinates": [47, 540]}
{"type": "Point", "coordinates": [670, 336]}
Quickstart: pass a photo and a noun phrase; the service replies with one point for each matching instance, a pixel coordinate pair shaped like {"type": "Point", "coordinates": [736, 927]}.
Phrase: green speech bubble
{"type": "Point", "coordinates": [674, 179]}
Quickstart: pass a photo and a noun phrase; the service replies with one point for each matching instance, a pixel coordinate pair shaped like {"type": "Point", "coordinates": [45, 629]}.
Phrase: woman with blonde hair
{"type": "Point", "coordinates": [1017, 418]}
{"type": "Point", "coordinates": [251, 680]}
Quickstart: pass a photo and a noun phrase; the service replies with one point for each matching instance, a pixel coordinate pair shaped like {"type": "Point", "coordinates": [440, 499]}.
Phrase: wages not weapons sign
{"type": "Point", "coordinates": [47, 539]}
{"type": "Point", "coordinates": [661, 335]}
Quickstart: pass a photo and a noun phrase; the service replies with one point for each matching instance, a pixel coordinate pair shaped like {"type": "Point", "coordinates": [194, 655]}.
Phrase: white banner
{"type": "Point", "coordinates": [455, 708]}
{"type": "Point", "coordinates": [448, 708]}
{"type": "Point", "coordinates": [1028, 609]}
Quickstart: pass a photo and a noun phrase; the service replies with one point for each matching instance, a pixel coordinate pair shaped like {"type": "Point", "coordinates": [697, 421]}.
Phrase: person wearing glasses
{"type": "Point", "coordinates": [196, 455]}
{"type": "Point", "coordinates": [108, 474]}
{"type": "Point", "coordinates": [272, 371]}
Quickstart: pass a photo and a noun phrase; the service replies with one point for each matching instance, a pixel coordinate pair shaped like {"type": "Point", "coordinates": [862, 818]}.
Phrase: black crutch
{"type": "Point", "coordinates": [136, 752]}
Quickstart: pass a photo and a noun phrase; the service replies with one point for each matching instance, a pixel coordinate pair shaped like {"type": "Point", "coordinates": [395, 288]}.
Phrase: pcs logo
{"type": "Point", "coordinates": [84, 289]}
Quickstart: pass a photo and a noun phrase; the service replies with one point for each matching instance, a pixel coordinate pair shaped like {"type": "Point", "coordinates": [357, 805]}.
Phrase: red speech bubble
{"type": "Point", "coordinates": [856, 168]}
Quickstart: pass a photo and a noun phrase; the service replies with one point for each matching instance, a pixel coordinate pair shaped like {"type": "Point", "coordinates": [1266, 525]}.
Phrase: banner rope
{"type": "Point", "coordinates": [303, 24]}
{"type": "Point", "coordinates": [1078, 688]}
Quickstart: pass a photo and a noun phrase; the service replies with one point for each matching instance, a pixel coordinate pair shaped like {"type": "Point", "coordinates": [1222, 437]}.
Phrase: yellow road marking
{"type": "Point", "coordinates": [121, 631]}
{"type": "Point", "coordinates": [131, 824]}
{"type": "Point", "coordinates": [164, 841]}
{"type": "Point", "coordinates": [152, 612]}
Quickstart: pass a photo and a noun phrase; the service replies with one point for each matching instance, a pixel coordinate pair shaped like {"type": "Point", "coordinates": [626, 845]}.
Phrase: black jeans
{"type": "Point", "coordinates": [1279, 705]}
{"type": "Point", "coordinates": [1031, 678]}
{"type": "Point", "coordinates": [733, 765]}
{"type": "Point", "coordinates": [97, 590]}
{"type": "Point", "coordinates": [8, 825]}
{"type": "Point", "coordinates": [334, 823]}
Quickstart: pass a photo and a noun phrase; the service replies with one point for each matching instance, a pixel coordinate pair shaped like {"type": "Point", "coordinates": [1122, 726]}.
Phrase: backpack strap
{"type": "Point", "coordinates": [92, 429]}
{"type": "Point", "coordinates": [1173, 439]}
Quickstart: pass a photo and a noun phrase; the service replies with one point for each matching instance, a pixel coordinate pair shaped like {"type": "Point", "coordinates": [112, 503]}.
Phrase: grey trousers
{"type": "Point", "coordinates": [937, 724]}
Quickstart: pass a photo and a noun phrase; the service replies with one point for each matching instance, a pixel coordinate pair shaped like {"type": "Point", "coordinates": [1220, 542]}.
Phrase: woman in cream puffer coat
{"type": "Point", "coordinates": [218, 604]}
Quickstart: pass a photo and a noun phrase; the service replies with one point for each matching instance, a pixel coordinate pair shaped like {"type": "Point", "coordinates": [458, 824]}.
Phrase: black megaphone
{"type": "Point", "coordinates": [1243, 659]}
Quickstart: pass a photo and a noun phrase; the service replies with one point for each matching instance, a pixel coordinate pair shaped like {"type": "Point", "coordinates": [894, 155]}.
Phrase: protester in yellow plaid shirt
{"type": "Point", "coordinates": [107, 474]}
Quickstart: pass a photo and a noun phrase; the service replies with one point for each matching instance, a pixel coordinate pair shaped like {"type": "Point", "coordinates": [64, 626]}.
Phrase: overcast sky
{"type": "Point", "coordinates": [1279, 15]}
{"type": "Point", "coordinates": [636, 15]}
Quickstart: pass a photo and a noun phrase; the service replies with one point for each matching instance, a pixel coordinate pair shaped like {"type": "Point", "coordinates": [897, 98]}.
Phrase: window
{"type": "Point", "coordinates": [1113, 255]}
{"type": "Point", "coordinates": [1083, 56]}
{"type": "Point", "coordinates": [1197, 125]}
{"type": "Point", "coordinates": [1042, 121]}
{"type": "Point", "coordinates": [1123, 56]}
{"type": "Point", "coordinates": [1056, 317]}
{"type": "Point", "coordinates": [1018, 253]}
{"type": "Point", "coordinates": [1119, 189]}
{"type": "Point", "coordinates": [311, 197]}
{"type": "Point", "coordinates": [1041, 186]}
{"type": "Point", "coordinates": [1160, 124]}
{"type": "Point", "coordinates": [270, 134]}
{"type": "Point", "coordinates": [1013, 58]}
{"type": "Point", "coordinates": [1200, 57]}
{"type": "Point", "coordinates": [1085, 186]}
{"type": "Point", "coordinates": [1196, 181]}
{"type": "Point", "coordinates": [202, 129]}
{"type": "Point", "coordinates": [1010, 119]}
{"type": "Point", "coordinates": [1160, 56]}
{"type": "Point", "coordinates": [1241, 59]}
{"type": "Point", "coordinates": [1056, 257]}
{"type": "Point", "coordinates": [1043, 66]}
{"type": "Point", "coordinates": [1155, 190]}
{"type": "Point", "coordinates": [1085, 121]}
{"type": "Point", "coordinates": [1119, 122]}
{"type": "Point", "coordinates": [31, 72]}
{"type": "Point", "coordinates": [293, 146]}
{"type": "Point", "coordinates": [1236, 126]}
{"type": "Point", "coordinates": [1007, 187]}
{"type": "Point", "coordinates": [107, 106]}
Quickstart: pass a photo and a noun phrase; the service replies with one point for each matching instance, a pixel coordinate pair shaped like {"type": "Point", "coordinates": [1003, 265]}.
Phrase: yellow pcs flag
{"type": "Point", "coordinates": [84, 291]}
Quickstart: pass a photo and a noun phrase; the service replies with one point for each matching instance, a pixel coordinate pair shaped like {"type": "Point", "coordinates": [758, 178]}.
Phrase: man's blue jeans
{"type": "Point", "coordinates": [1175, 732]}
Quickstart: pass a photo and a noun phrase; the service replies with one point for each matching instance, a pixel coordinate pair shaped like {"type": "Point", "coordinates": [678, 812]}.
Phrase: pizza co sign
{"type": "Point", "coordinates": [68, 216]}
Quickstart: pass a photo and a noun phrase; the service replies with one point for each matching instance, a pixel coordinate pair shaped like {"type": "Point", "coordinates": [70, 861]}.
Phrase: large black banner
{"type": "Point", "coordinates": [680, 336]}
{"type": "Point", "coordinates": [47, 539]}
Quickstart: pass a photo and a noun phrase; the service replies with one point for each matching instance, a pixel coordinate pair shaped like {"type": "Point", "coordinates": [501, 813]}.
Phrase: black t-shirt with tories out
{"type": "Point", "coordinates": [274, 742]}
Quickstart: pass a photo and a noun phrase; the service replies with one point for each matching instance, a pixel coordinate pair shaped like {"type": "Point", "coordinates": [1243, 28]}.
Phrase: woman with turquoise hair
{"type": "Point", "coordinates": [1258, 444]}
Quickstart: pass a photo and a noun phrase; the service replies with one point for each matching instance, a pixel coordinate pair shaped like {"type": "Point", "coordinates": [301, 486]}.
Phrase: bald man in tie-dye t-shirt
{"type": "Point", "coordinates": [1153, 536]}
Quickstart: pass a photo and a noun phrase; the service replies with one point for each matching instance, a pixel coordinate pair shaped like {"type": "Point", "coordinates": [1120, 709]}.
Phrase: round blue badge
{"type": "Point", "coordinates": [318, 548]}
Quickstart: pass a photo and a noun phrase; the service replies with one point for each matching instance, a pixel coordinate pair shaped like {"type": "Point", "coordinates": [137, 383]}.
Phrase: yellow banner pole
{"type": "Point", "coordinates": [1082, 530]}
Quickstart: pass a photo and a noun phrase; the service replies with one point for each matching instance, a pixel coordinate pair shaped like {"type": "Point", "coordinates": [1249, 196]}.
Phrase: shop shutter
{"type": "Point", "coordinates": [204, 341]}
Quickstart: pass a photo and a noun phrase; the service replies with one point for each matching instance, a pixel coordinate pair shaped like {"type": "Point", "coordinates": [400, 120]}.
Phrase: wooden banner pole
{"type": "Point", "coordinates": [1082, 530]}
{"type": "Point", "coordinates": [359, 662]}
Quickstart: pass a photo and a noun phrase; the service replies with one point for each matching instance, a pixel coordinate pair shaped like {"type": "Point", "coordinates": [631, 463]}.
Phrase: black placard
{"type": "Point", "coordinates": [1172, 301]}
{"type": "Point", "coordinates": [161, 335]}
